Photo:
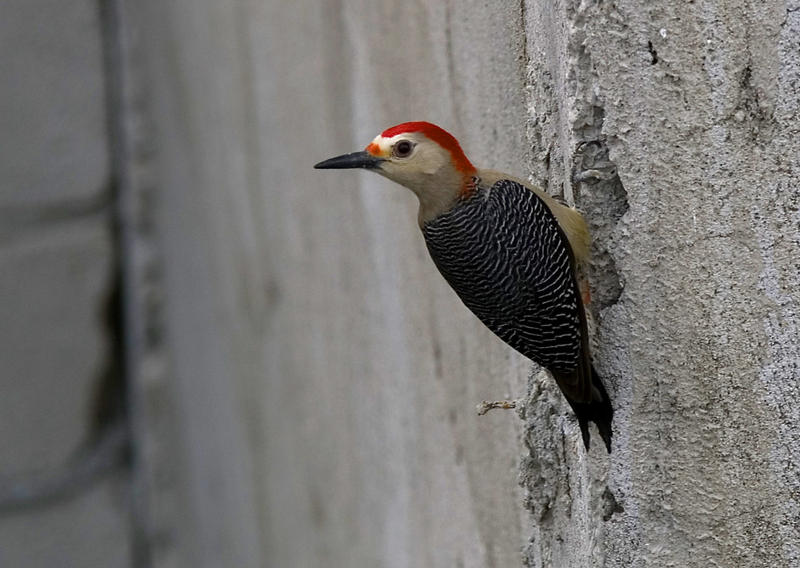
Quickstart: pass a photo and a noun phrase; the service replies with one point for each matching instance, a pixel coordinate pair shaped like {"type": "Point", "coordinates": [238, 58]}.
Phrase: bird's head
{"type": "Point", "coordinates": [419, 155]}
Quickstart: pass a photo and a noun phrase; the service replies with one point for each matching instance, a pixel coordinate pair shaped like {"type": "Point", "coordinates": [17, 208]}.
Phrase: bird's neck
{"type": "Point", "coordinates": [439, 197]}
{"type": "Point", "coordinates": [441, 191]}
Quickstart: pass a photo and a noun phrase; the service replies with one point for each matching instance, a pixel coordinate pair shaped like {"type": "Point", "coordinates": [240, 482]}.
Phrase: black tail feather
{"type": "Point", "coordinates": [599, 411]}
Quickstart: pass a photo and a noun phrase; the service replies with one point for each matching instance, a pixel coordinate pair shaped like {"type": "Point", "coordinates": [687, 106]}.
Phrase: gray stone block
{"type": "Point", "coordinates": [53, 285]}
{"type": "Point", "coordinates": [52, 104]}
{"type": "Point", "coordinates": [89, 531]}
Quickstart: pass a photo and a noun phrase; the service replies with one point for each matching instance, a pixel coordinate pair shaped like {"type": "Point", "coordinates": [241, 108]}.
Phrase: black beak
{"type": "Point", "coordinates": [354, 160]}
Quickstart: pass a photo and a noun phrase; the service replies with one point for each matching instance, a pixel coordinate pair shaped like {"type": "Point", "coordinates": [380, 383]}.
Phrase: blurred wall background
{"type": "Point", "coordinates": [215, 355]}
{"type": "Point", "coordinates": [63, 481]}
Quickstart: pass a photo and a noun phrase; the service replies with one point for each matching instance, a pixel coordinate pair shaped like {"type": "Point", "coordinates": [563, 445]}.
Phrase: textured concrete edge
{"type": "Point", "coordinates": [567, 489]}
{"type": "Point", "coordinates": [146, 367]}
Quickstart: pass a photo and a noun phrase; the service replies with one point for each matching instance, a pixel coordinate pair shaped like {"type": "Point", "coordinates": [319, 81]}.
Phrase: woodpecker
{"type": "Point", "coordinates": [509, 250]}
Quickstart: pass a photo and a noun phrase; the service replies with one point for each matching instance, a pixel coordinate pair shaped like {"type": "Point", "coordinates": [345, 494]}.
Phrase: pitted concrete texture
{"type": "Point", "coordinates": [326, 376]}
{"type": "Point", "coordinates": [698, 106]}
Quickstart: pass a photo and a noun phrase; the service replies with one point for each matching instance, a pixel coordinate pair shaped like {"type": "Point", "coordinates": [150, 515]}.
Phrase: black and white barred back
{"type": "Point", "coordinates": [505, 256]}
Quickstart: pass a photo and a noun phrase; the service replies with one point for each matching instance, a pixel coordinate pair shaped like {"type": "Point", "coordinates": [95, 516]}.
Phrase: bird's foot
{"type": "Point", "coordinates": [486, 405]}
{"type": "Point", "coordinates": [590, 163]}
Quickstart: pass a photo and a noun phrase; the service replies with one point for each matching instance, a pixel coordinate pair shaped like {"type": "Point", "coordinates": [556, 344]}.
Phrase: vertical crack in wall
{"type": "Point", "coordinates": [141, 355]}
{"type": "Point", "coordinates": [123, 356]}
{"type": "Point", "coordinates": [601, 197]}
{"type": "Point", "coordinates": [109, 407]}
{"type": "Point", "coordinates": [603, 201]}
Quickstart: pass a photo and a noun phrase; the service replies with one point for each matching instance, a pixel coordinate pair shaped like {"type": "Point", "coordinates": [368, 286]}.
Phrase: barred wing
{"type": "Point", "coordinates": [505, 256]}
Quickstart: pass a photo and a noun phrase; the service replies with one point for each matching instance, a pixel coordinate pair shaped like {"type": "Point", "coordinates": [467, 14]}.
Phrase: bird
{"type": "Point", "coordinates": [509, 250]}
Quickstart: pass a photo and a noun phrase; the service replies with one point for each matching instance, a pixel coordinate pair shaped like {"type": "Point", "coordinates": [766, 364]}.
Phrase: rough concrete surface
{"type": "Point", "coordinates": [325, 377]}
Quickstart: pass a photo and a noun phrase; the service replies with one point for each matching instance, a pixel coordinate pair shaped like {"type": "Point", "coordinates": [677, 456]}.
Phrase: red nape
{"type": "Point", "coordinates": [438, 135]}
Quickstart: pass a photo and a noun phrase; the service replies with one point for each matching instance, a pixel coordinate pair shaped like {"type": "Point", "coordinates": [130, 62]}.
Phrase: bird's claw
{"type": "Point", "coordinates": [591, 163]}
{"type": "Point", "coordinates": [597, 174]}
{"type": "Point", "coordinates": [486, 405]}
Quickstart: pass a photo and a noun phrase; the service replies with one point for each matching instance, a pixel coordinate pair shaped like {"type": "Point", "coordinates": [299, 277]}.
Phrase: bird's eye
{"type": "Point", "coordinates": [403, 149]}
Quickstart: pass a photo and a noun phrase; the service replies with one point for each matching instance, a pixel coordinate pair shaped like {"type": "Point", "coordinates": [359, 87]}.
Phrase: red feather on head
{"type": "Point", "coordinates": [438, 135]}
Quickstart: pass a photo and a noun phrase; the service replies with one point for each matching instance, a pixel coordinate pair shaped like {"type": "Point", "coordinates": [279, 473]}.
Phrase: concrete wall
{"type": "Point", "coordinates": [315, 402]}
{"type": "Point", "coordinates": [56, 284]}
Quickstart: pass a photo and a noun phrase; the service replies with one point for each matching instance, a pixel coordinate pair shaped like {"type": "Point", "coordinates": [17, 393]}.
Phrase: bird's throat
{"type": "Point", "coordinates": [440, 196]}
